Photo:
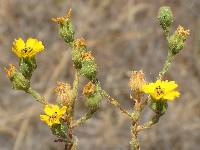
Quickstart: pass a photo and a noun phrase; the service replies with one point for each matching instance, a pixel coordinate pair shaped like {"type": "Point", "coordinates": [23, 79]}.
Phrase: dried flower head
{"type": "Point", "coordinates": [10, 71]}
{"type": "Point", "coordinates": [53, 114]}
{"type": "Point", "coordinates": [64, 93]}
{"type": "Point", "coordinates": [87, 56]}
{"type": "Point", "coordinates": [89, 89]}
{"type": "Point", "coordinates": [137, 80]}
{"type": "Point", "coordinates": [61, 20]}
{"type": "Point", "coordinates": [183, 32]}
{"type": "Point", "coordinates": [28, 49]}
{"type": "Point", "coordinates": [161, 90]}
{"type": "Point", "coordinates": [80, 42]}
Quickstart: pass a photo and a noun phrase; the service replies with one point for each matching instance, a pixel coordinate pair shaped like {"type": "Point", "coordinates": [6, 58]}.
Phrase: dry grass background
{"type": "Point", "coordinates": [123, 35]}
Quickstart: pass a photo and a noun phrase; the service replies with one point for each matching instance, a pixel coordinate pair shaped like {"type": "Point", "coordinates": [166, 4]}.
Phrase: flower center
{"type": "Point", "coordinates": [159, 92]}
{"type": "Point", "coordinates": [27, 49]}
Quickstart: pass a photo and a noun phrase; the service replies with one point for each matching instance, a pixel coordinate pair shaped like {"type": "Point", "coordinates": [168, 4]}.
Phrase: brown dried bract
{"type": "Point", "coordinates": [89, 89]}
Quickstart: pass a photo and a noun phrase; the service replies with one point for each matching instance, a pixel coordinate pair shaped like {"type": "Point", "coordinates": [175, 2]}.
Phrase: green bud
{"type": "Point", "coordinates": [19, 82]}
{"type": "Point", "coordinates": [79, 47]}
{"type": "Point", "coordinates": [93, 101]}
{"type": "Point", "coordinates": [176, 43]}
{"type": "Point", "coordinates": [165, 18]}
{"type": "Point", "coordinates": [66, 31]}
{"type": "Point", "coordinates": [89, 69]}
{"type": "Point", "coordinates": [27, 66]}
{"type": "Point", "coordinates": [59, 130]}
{"type": "Point", "coordinates": [159, 107]}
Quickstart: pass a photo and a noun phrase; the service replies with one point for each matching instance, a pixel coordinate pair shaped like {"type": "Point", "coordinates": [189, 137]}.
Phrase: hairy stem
{"type": "Point", "coordinates": [166, 66]}
{"type": "Point", "coordinates": [83, 119]}
{"type": "Point", "coordinates": [114, 102]}
{"type": "Point", "coordinates": [75, 89]}
{"type": "Point", "coordinates": [134, 137]}
{"type": "Point", "coordinates": [69, 143]}
{"type": "Point", "coordinates": [37, 96]}
{"type": "Point", "coordinates": [150, 123]}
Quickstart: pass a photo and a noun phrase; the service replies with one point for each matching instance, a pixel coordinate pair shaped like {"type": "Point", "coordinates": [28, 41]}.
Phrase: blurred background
{"type": "Point", "coordinates": [123, 35]}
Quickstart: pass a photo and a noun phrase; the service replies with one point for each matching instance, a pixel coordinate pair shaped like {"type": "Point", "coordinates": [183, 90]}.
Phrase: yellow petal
{"type": "Point", "coordinates": [38, 46]}
{"type": "Point", "coordinates": [30, 43]}
{"type": "Point", "coordinates": [44, 118]}
{"type": "Point", "coordinates": [48, 110]}
{"type": "Point", "coordinates": [62, 110]}
{"type": "Point", "coordinates": [55, 108]}
{"type": "Point", "coordinates": [171, 95]}
{"type": "Point", "coordinates": [148, 88]}
{"type": "Point", "coordinates": [169, 86]}
{"type": "Point", "coordinates": [18, 46]}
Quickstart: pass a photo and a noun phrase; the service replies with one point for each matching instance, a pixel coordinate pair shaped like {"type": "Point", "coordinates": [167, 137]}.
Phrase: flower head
{"type": "Point", "coordinates": [28, 49]}
{"type": "Point", "coordinates": [53, 114]}
{"type": "Point", "coordinates": [161, 90]}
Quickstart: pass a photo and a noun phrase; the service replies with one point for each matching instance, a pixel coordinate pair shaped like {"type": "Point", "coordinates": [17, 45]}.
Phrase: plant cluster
{"type": "Point", "coordinates": [60, 116]}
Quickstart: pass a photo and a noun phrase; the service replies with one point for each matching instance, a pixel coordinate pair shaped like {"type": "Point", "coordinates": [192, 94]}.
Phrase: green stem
{"type": "Point", "coordinates": [83, 119]}
{"type": "Point", "coordinates": [150, 123]}
{"type": "Point", "coordinates": [75, 89]}
{"type": "Point", "coordinates": [134, 143]}
{"type": "Point", "coordinates": [37, 96]}
{"type": "Point", "coordinates": [166, 66]}
{"type": "Point", "coordinates": [114, 102]}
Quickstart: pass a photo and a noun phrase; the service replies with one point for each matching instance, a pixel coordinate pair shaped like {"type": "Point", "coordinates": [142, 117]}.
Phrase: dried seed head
{"type": "Point", "coordinates": [137, 80]}
{"type": "Point", "coordinates": [64, 93]}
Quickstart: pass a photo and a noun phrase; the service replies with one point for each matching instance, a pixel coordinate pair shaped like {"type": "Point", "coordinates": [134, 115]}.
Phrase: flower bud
{"type": "Point", "coordinates": [19, 82]}
{"type": "Point", "coordinates": [59, 130]}
{"type": "Point", "coordinates": [66, 29]}
{"type": "Point", "coordinates": [79, 47]}
{"type": "Point", "coordinates": [89, 69]}
{"type": "Point", "coordinates": [27, 66]}
{"type": "Point", "coordinates": [93, 97]}
{"type": "Point", "coordinates": [165, 18]}
{"type": "Point", "coordinates": [177, 40]}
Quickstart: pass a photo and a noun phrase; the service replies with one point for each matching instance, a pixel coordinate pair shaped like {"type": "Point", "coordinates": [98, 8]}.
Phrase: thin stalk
{"type": "Point", "coordinates": [150, 123]}
{"type": "Point", "coordinates": [75, 89]}
{"type": "Point", "coordinates": [83, 119]}
{"type": "Point", "coordinates": [37, 96]}
{"type": "Point", "coordinates": [166, 65]}
{"type": "Point", "coordinates": [114, 102]}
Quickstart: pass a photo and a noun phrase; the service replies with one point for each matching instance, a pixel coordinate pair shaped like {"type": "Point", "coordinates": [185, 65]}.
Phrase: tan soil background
{"type": "Point", "coordinates": [124, 35]}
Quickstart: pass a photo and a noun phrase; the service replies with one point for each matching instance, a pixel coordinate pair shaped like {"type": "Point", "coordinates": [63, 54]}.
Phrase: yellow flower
{"type": "Point", "coordinates": [28, 49]}
{"type": "Point", "coordinates": [161, 90]}
{"type": "Point", "coordinates": [53, 114]}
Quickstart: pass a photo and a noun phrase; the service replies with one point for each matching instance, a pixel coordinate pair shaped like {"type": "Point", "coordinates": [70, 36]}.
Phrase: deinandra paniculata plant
{"type": "Point", "coordinates": [59, 117]}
